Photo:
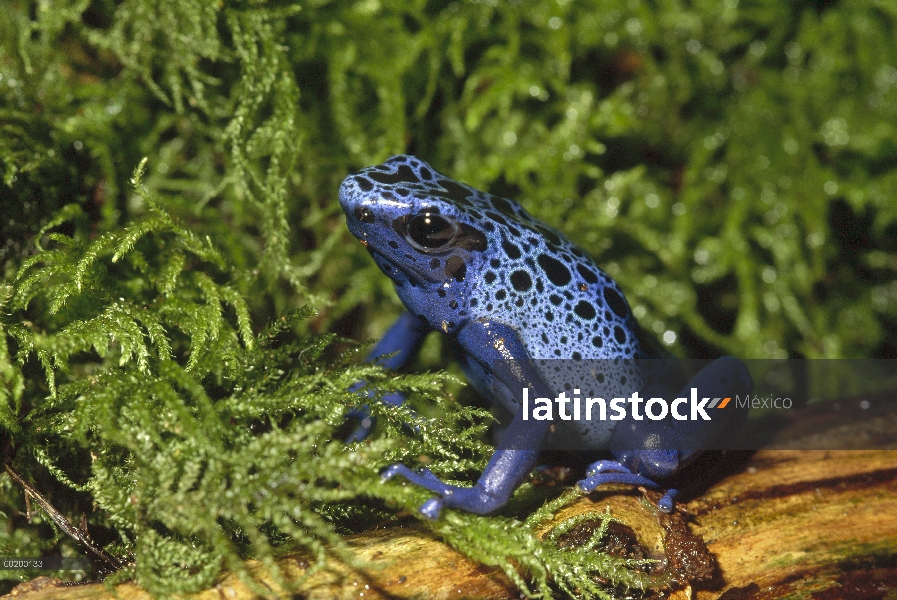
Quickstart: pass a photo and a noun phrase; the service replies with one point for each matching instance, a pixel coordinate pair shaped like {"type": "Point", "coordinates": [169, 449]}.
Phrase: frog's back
{"type": "Point", "coordinates": [562, 304]}
{"type": "Point", "coordinates": [567, 311]}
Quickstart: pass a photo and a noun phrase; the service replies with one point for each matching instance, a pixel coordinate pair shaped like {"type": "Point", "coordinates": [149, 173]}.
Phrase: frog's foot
{"type": "Point", "coordinates": [363, 414]}
{"type": "Point", "coordinates": [610, 471]}
{"type": "Point", "coordinates": [365, 423]}
{"type": "Point", "coordinates": [471, 499]}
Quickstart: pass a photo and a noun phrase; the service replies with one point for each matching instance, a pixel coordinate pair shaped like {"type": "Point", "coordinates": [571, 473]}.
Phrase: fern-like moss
{"type": "Point", "coordinates": [199, 441]}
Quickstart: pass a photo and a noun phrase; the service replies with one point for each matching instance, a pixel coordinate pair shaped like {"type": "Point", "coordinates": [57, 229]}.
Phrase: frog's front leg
{"type": "Point", "coordinates": [647, 450]}
{"type": "Point", "coordinates": [498, 346]}
{"type": "Point", "coordinates": [399, 344]}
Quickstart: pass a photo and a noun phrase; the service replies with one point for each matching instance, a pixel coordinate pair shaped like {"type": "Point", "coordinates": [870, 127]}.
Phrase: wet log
{"type": "Point", "coordinates": [785, 523]}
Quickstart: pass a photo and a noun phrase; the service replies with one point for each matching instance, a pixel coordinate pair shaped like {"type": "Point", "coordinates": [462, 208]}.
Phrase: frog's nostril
{"type": "Point", "coordinates": [364, 214]}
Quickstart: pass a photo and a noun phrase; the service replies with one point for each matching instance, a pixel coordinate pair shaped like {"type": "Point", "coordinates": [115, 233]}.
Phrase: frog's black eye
{"type": "Point", "coordinates": [430, 231]}
{"type": "Point", "coordinates": [364, 214]}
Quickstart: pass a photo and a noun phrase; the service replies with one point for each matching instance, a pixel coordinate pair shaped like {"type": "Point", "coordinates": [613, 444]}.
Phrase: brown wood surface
{"type": "Point", "coordinates": [788, 523]}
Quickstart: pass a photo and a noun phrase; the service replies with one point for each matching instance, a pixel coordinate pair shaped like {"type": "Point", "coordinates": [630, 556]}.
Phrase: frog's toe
{"type": "Point", "coordinates": [606, 466]}
{"type": "Point", "coordinates": [587, 485]}
{"type": "Point", "coordinates": [590, 483]}
{"type": "Point", "coordinates": [393, 470]}
{"type": "Point", "coordinates": [362, 431]}
{"type": "Point", "coordinates": [477, 499]}
{"type": "Point", "coordinates": [423, 478]}
{"type": "Point", "coordinates": [431, 508]}
{"type": "Point", "coordinates": [665, 504]}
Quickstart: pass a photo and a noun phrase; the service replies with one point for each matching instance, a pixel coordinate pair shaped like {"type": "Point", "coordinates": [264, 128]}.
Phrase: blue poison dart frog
{"type": "Point", "coordinates": [512, 292]}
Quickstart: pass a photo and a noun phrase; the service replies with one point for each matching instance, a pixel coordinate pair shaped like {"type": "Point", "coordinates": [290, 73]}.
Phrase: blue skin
{"type": "Point", "coordinates": [509, 289]}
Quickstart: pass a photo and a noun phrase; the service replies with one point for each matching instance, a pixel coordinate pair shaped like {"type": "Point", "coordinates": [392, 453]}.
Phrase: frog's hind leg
{"type": "Point", "coordinates": [649, 450]}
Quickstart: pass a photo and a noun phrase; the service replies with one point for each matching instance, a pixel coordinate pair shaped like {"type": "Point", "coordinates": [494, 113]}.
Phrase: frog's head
{"type": "Point", "coordinates": [417, 226]}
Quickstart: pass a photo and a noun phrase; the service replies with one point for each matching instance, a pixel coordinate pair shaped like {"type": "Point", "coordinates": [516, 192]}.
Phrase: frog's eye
{"type": "Point", "coordinates": [431, 231]}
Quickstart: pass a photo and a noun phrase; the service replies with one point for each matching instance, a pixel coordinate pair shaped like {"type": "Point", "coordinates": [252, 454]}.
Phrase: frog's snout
{"type": "Point", "coordinates": [351, 201]}
{"type": "Point", "coordinates": [350, 195]}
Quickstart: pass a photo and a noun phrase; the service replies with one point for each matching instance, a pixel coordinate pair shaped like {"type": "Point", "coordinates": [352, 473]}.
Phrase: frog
{"type": "Point", "coordinates": [513, 294]}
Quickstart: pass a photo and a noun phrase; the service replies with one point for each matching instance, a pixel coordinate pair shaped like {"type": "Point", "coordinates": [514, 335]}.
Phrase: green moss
{"type": "Point", "coordinates": [732, 166]}
{"type": "Point", "coordinates": [137, 378]}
